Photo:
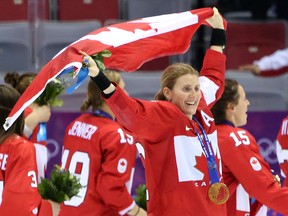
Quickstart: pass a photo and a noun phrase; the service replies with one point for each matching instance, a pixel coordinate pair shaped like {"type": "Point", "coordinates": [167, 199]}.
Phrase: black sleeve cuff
{"type": "Point", "coordinates": [218, 37]}
{"type": "Point", "coordinates": [103, 83]}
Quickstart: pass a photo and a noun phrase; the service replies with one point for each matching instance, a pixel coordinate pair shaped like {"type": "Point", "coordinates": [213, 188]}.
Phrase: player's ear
{"type": "Point", "coordinates": [167, 93]}
{"type": "Point", "coordinates": [230, 107]}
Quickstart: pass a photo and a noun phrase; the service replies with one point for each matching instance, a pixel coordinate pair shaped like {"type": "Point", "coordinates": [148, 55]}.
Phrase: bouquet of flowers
{"type": "Point", "coordinates": [61, 187]}
{"type": "Point", "coordinates": [50, 95]}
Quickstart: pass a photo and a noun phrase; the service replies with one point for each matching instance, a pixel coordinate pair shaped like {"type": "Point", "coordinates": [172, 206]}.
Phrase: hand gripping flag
{"type": "Point", "coordinates": [131, 43]}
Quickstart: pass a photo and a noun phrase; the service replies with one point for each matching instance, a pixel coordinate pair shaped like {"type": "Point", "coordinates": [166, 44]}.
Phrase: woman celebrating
{"type": "Point", "coordinates": [178, 143]}
{"type": "Point", "coordinates": [244, 170]}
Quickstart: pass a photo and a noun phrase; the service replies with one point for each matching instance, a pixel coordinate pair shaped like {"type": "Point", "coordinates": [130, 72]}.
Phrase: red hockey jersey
{"type": "Point", "coordinates": [175, 167]}
{"type": "Point", "coordinates": [18, 180]}
{"type": "Point", "coordinates": [247, 174]}
{"type": "Point", "coordinates": [103, 156]}
{"type": "Point", "coordinates": [282, 149]}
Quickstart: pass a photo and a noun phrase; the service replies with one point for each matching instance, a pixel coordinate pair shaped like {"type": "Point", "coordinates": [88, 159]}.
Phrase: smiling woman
{"type": "Point", "coordinates": [185, 92]}
{"type": "Point", "coordinates": [176, 159]}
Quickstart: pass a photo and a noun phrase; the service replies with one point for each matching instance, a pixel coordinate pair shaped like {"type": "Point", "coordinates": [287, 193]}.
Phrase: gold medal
{"type": "Point", "coordinates": [218, 193]}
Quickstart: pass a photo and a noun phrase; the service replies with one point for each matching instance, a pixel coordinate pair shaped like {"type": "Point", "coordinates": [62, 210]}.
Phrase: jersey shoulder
{"type": "Point", "coordinates": [19, 148]}
{"type": "Point", "coordinates": [234, 138]}
{"type": "Point", "coordinates": [19, 142]}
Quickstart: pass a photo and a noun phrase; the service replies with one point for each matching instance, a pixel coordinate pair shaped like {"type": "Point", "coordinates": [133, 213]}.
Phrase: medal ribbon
{"type": "Point", "coordinates": [83, 73]}
{"type": "Point", "coordinates": [101, 113]}
{"type": "Point", "coordinates": [208, 152]}
{"type": "Point", "coordinates": [42, 133]}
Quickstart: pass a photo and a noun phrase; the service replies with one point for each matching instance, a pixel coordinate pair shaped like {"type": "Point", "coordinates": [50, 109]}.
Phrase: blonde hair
{"type": "Point", "coordinates": [170, 76]}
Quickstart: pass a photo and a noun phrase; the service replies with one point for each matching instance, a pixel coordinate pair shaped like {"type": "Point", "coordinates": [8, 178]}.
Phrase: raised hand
{"type": "Point", "coordinates": [216, 21]}
{"type": "Point", "coordinates": [92, 66]}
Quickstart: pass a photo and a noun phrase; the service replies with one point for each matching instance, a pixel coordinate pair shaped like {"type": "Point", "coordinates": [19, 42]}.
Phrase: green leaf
{"type": "Point", "coordinates": [100, 65]}
{"type": "Point", "coordinates": [106, 53]}
{"type": "Point", "coordinates": [99, 58]}
{"type": "Point", "coordinates": [140, 197]}
{"type": "Point", "coordinates": [56, 103]}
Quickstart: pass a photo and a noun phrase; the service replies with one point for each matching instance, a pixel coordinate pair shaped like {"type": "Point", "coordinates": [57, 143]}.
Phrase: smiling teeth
{"type": "Point", "coordinates": [191, 103]}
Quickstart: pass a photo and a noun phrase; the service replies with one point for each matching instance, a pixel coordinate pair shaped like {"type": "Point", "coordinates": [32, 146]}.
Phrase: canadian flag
{"type": "Point", "coordinates": [131, 43]}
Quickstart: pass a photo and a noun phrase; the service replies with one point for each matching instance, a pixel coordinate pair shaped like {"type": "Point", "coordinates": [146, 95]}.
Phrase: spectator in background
{"type": "Point", "coordinates": [18, 171]}
{"type": "Point", "coordinates": [282, 149]}
{"type": "Point", "coordinates": [107, 155]}
{"type": "Point", "coordinates": [34, 115]}
{"type": "Point", "coordinates": [245, 171]}
{"type": "Point", "coordinates": [276, 62]}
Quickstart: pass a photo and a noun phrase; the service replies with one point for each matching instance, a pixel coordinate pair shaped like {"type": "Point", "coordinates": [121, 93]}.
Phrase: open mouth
{"type": "Point", "coordinates": [192, 103]}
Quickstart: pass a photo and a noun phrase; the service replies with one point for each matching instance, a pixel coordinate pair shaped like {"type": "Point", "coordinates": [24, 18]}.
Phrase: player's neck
{"type": "Point", "coordinates": [106, 109]}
